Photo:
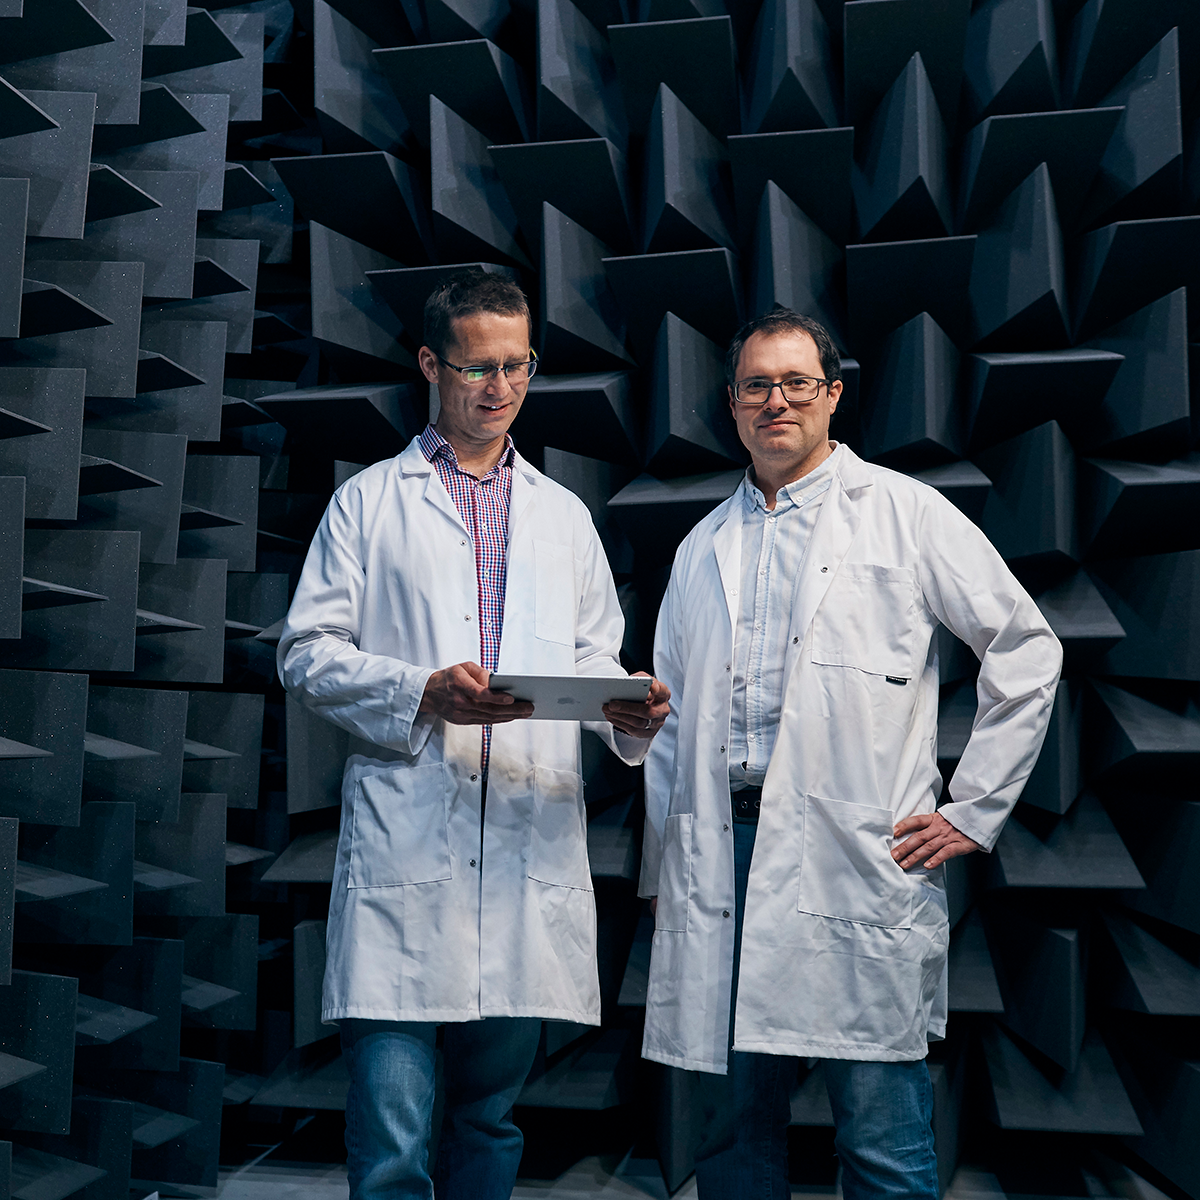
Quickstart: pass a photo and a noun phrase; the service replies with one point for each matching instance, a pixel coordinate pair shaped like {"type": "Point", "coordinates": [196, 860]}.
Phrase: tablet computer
{"type": "Point", "coordinates": [571, 697]}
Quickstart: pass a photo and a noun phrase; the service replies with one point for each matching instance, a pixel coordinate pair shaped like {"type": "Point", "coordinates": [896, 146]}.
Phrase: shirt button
{"type": "Point", "coordinates": [472, 862]}
{"type": "Point", "coordinates": [722, 749]}
{"type": "Point", "coordinates": [725, 912]}
{"type": "Point", "coordinates": [474, 778]}
{"type": "Point", "coordinates": [726, 828]}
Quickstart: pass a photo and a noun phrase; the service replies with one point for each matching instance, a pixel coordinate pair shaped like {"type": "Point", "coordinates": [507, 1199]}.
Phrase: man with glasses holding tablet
{"type": "Point", "coordinates": [793, 843]}
{"type": "Point", "coordinates": [462, 911]}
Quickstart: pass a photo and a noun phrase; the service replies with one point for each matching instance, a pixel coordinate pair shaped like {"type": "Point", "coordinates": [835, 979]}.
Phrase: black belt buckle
{"type": "Point", "coordinates": [746, 805]}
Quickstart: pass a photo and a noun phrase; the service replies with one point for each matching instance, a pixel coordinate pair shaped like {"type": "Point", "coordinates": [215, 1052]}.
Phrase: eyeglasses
{"type": "Point", "coordinates": [513, 372]}
{"type": "Point", "coordinates": [800, 389]}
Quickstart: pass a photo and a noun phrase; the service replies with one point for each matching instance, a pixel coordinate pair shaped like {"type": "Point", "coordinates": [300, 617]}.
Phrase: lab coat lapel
{"type": "Point", "coordinates": [727, 545]}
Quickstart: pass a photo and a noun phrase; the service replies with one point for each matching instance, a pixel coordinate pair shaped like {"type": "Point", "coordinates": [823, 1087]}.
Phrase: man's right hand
{"type": "Point", "coordinates": [460, 695]}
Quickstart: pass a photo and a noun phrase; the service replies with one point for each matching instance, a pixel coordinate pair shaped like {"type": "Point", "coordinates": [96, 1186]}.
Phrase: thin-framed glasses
{"type": "Point", "coordinates": [513, 372]}
{"type": "Point", "coordinates": [799, 389]}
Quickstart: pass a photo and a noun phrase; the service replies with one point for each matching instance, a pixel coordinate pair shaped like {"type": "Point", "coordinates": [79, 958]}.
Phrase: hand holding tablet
{"type": "Point", "coordinates": [572, 697]}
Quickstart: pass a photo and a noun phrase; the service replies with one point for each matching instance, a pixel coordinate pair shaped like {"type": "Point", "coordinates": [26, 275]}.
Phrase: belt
{"type": "Point", "coordinates": [746, 804]}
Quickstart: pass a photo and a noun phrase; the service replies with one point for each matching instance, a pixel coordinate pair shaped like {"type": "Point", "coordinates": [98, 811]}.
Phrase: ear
{"type": "Point", "coordinates": [732, 406]}
{"type": "Point", "coordinates": [428, 362]}
{"type": "Point", "coordinates": [835, 394]}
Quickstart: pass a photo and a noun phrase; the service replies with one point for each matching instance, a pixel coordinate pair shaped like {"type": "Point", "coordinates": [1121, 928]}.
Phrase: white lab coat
{"type": "Point", "coordinates": [843, 953]}
{"type": "Point", "coordinates": [417, 931]}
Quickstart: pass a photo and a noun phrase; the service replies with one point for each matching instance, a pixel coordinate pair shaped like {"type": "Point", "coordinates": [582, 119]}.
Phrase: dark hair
{"type": "Point", "coordinates": [785, 320]}
{"type": "Point", "coordinates": [466, 292]}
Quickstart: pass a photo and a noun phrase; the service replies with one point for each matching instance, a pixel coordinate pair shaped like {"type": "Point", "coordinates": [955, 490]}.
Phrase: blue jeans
{"type": "Point", "coordinates": [389, 1109]}
{"type": "Point", "coordinates": [882, 1111]}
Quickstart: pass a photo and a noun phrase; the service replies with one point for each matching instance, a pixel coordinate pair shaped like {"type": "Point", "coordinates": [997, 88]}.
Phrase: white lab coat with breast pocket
{"type": "Point", "coordinates": [843, 953]}
{"type": "Point", "coordinates": [440, 911]}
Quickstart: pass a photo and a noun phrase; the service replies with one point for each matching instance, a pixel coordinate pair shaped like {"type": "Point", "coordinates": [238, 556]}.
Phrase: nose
{"type": "Point", "coordinates": [775, 401]}
{"type": "Point", "coordinates": [498, 385]}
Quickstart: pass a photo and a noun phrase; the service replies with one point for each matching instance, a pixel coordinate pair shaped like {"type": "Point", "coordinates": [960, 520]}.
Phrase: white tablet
{"type": "Point", "coordinates": [572, 697]}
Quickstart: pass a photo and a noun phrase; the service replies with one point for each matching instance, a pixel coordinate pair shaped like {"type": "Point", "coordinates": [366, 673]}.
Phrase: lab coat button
{"type": "Point", "coordinates": [795, 642]}
{"type": "Point", "coordinates": [726, 828]}
{"type": "Point", "coordinates": [725, 912]}
{"type": "Point", "coordinates": [474, 778]}
{"type": "Point", "coordinates": [824, 569]}
{"type": "Point", "coordinates": [722, 749]}
{"type": "Point", "coordinates": [472, 862]}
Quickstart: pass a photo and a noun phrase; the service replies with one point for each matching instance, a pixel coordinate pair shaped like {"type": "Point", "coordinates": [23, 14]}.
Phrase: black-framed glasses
{"type": "Point", "coordinates": [513, 372]}
{"type": "Point", "coordinates": [799, 389]}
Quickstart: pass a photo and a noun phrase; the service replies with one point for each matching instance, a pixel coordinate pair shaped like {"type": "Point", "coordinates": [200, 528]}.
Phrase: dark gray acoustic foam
{"type": "Point", "coordinates": [406, 289]}
{"type": "Point", "coordinates": [595, 482]}
{"type": "Point", "coordinates": [100, 1142]}
{"type": "Point", "coordinates": [1010, 64]}
{"type": "Point", "coordinates": [316, 755]}
{"type": "Point", "coordinates": [49, 461]}
{"type": "Point", "coordinates": [591, 414]}
{"type": "Point", "coordinates": [49, 711]}
{"type": "Point", "coordinates": [308, 967]}
{"type": "Point", "coordinates": [1106, 37]}
{"type": "Point", "coordinates": [352, 324]}
{"type": "Point", "coordinates": [1152, 597]}
{"type": "Point", "coordinates": [56, 163]}
{"type": "Point", "coordinates": [47, 309]}
{"type": "Point", "coordinates": [220, 950]}
{"type": "Point", "coordinates": [911, 419]}
{"type": "Point", "coordinates": [231, 722]}
{"type": "Point", "coordinates": [154, 512]}
{"type": "Point", "coordinates": [585, 180]}
{"type": "Point", "coordinates": [205, 45]}
{"type": "Point", "coordinates": [701, 287]}
{"type": "Point", "coordinates": [1089, 1099]}
{"type": "Point", "coordinates": [148, 718]}
{"type": "Point", "coordinates": [812, 167]}
{"type": "Point", "coordinates": [51, 28]}
{"type": "Point", "coordinates": [356, 109]}
{"type": "Point", "coordinates": [902, 190]}
{"type": "Point", "coordinates": [101, 847]}
{"type": "Point", "coordinates": [882, 35]}
{"type": "Point", "coordinates": [1011, 392]}
{"type": "Point", "coordinates": [110, 194]}
{"type": "Point", "coordinates": [19, 115]}
{"type": "Point", "coordinates": [1146, 411]}
{"type": "Point", "coordinates": [577, 94]}
{"type": "Point", "coordinates": [1003, 150]}
{"type": "Point", "coordinates": [1079, 850]}
{"type": "Point", "coordinates": [388, 214]}
{"type": "Point", "coordinates": [14, 206]}
{"type": "Point", "coordinates": [309, 858]}
{"type": "Point", "coordinates": [192, 590]}
{"type": "Point", "coordinates": [12, 551]}
{"type": "Point", "coordinates": [795, 264]}
{"type": "Point", "coordinates": [241, 78]}
{"type": "Point", "coordinates": [35, 1171]}
{"type": "Point", "coordinates": [80, 637]}
{"type": "Point", "coordinates": [582, 328]}
{"type": "Point", "coordinates": [1055, 782]}
{"type": "Point", "coordinates": [312, 1076]}
{"type": "Point", "coordinates": [1126, 265]}
{"type": "Point", "coordinates": [656, 514]}
{"type": "Point", "coordinates": [789, 76]}
{"type": "Point", "coordinates": [1138, 742]}
{"type": "Point", "coordinates": [1165, 853]}
{"type": "Point", "coordinates": [356, 423]}
{"type": "Point", "coordinates": [476, 78]}
{"type": "Point", "coordinates": [972, 976]}
{"type": "Point", "coordinates": [37, 1023]}
{"type": "Point", "coordinates": [454, 20]}
{"type": "Point", "coordinates": [471, 213]}
{"type": "Point", "coordinates": [686, 205]}
{"type": "Point", "coordinates": [192, 845]}
{"type": "Point", "coordinates": [1122, 503]}
{"type": "Point", "coordinates": [1143, 974]}
{"type": "Point", "coordinates": [226, 486]}
{"type": "Point", "coordinates": [243, 189]}
{"type": "Point", "coordinates": [1141, 174]}
{"type": "Point", "coordinates": [695, 58]}
{"type": "Point", "coordinates": [689, 424]}
{"type": "Point", "coordinates": [1080, 617]}
{"type": "Point", "coordinates": [889, 283]}
{"type": "Point", "coordinates": [1018, 278]}
{"type": "Point", "coordinates": [161, 115]}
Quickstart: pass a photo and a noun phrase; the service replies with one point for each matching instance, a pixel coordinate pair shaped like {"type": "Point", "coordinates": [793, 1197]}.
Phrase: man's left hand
{"type": "Point", "coordinates": [642, 720]}
{"type": "Point", "coordinates": [933, 839]}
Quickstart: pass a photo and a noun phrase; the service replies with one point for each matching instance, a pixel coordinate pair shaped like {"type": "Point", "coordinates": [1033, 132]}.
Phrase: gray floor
{"type": "Point", "coordinates": [588, 1180]}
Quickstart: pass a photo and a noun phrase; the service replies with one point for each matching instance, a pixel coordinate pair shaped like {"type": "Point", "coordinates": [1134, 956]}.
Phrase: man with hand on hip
{"type": "Point", "coordinates": [793, 839]}
{"type": "Point", "coordinates": [462, 907]}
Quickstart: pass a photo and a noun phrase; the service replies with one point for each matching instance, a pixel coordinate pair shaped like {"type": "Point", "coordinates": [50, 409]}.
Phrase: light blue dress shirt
{"type": "Point", "coordinates": [774, 545]}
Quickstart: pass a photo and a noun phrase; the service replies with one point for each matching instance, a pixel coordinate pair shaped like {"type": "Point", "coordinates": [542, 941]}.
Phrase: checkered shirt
{"type": "Point", "coordinates": [483, 505]}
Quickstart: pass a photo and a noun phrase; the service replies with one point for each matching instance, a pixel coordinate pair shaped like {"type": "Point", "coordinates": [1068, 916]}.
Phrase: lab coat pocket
{"type": "Point", "coordinates": [400, 833]}
{"type": "Point", "coordinates": [847, 871]}
{"type": "Point", "coordinates": [866, 621]}
{"type": "Point", "coordinates": [558, 834]}
{"type": "Point", "coordinates": [675, 875]}
{"type": "Point", "coordinates": [554, 593]}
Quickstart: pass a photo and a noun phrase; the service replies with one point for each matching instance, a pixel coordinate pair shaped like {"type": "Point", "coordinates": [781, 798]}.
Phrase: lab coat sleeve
{"type": "Point", "coordinates": [374, 696]}
{"type": "Point", "coordinates": [599, 630]}
{"type": "Point", "coordinates": [972, 592]}
{"type": "Point", "coordinates": [660, 762]}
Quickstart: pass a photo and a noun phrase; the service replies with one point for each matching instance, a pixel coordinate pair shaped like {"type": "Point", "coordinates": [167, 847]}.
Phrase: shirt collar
{"type": "Point", "coordinates": [796, 493]}
{"type": "Point", "coordinates": [433, 445]}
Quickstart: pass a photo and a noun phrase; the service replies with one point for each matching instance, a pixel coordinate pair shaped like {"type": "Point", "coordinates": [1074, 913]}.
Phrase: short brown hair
{"type": "Point", "coordinates": [466, 292]}
{"type": "Point", "coordinates": [785, 320]}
